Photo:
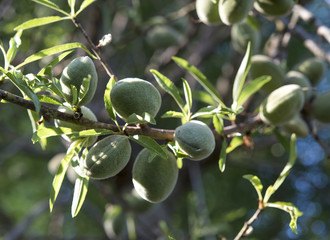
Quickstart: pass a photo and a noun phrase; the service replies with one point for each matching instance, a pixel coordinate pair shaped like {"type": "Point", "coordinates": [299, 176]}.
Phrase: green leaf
{"type": "Point", "coordinates": [84, 4]}
{"type": "Point", "coordinates": [173, 114]}
{"type": "Point", "coordinates": [36, 22]}
{"type": "Point", "coordinates": [16, 78]}
{"type": "Point", "coordinates": [107, 99]}
{"type": "Point", "coordinates": [255, 181]}
{"type": "Point", "coordinates": [204, 97]}
{"type": "Point", "coordinates": [34, 117]}
{"type": "Point", "coordinates": [51, 5]}
{"type": "Point", "coordinates": [291, 209]}
{"type": "Point", "coordinates": [218, 123]}
{"type": "Point", "coordinates": [223, 156]}
{"type": "Point", "coordinates": [241, 76]}
{"type": "Point", "coordinates": [149, 143]}
{"type": "Point", "coordinates": [187, 95]}
{"type": "Point", "coordinates": [45, 132]}
{"type": "Point", "coordinates": [179, 162]}
{"type": "Point", "coordinates": [286, 170]}
{"type": "Point", "coordinates": [59, 176]}
{"type": "Point", "coordinates": [49, 99]}
{"type": "Point", "coordinates": [168, 87]}
{"type": "Point", "coordinates": [146, 118]}
{"type": "Point", "coordinates": [72, 4]}
{"type": "Point", "coordinates": [234, 143]}
{"type": "Point", "coordinates": [91, 132]}
{"type": "Point", "coordinates": [84, 88]}
{"type": "Point", "coordinates": [200, 77]}
{"type": "Point", "coordinates": [54, 50]}
{"type": "Point", "coordinates": [282, 139]}
{"type": "Point", "coordinates": [50, 65]}
{"type": "Point", "coordinates": [251, 88]}
{"type": "Point", "coordinates": [206, 112]}
{"type": "Point", "coordinates": [79, 194]}
{"type": "Point", "coordinates": [14, 44]}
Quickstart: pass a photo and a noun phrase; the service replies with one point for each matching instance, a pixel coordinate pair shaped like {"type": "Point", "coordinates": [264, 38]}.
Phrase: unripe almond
{"type": "Point", "coordinates": [196, 139]}
{"type": "Point", "coordinates": [321, 107]}
{"type": "Point", "coordinates": [264, 65]}
{"type": "Point", "coordinates": [134, 95]}
{"type": "Point", "coordinates": [79, 70]}
{"type": "Point", "coordinates": [297, 126]}
{"type": "Point", "coordinates": [108, 157]}
{"type": "Point", "coordinates": [313, 68]}
{"type": "Point", "coordinates": [234, 11]}
{"type": "Point", "coordinates": [154, 178]}
{"type": "Point", "coordinates": [207, 11]}
{"type": "Point", "coordinates": [86, 112]}
{"type": "Point", "coordinates": [274, 8]}
{"type": "Point", "coordinates": [282, 104]}
{"type": "Point", "coordinates": [295, 77]}
{"type": "Point", "coordinates": [241, 34]}
{"type": "Point", "coordinates": [163, 36]}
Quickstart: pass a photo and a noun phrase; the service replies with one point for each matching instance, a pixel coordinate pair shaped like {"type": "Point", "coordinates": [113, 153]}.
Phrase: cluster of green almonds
{"type": "Point", "coordinates": [230, 12]}
{"type": "Point", "coordinates": [289, 92]}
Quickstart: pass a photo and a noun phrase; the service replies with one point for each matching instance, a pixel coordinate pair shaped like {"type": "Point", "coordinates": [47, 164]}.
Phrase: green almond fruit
{"type": "Point", "coordinates": [297, 126]}
{"type": "Point", "coordinates": [234, 11]}
{"type": "Point", "coordinates": [274, 8]}
{"type": "Point", "coordinates": [86, 112]}
{"type": "Point", "coordinates": [154, 178]}
{"type": "Point", "coordinates": [321, 107]}
{"type": "Point", "coordinates": [282, 104]}
{"type": "Point", "coordinates": [313, 68]}
{"type": "Point", "coordinates": [241, 34]}
{"type": "Point", "coordinates": [207, 11]}
{"type": "Point", "coordinates": [196, 139]}
{"type": "Point", "coordinates": [134, 95]}
{"type": "Point", "coordinates": [295, 77]}
{"type": "Point", "coordinates": [108, 157]}
{"type": "Point", "coordinates": [163, 36]}
{"type": "Point", "coordinates": [79, 74]}
{"type": "Point", "coordinates": [264, 65]}
{"type": "Point", "coordinates": [114, 222]}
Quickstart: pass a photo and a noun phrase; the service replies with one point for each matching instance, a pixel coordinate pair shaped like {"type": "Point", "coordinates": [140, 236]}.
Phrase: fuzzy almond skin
{"type": "Point", "coordinates": [196, 139]}
{"type": "Point", "coordinates": [295, 77]}
{"type": "Point", "coordinates": [241, 34]}
{"type": "Point", "coordinates": [108, 157]}
{"type": "Point", "coordinates": [273, 8]}
{"type": "Point", "coordinates": [234, 11]}
{"type": "Point", "coordinates": [73, 75]}
{"type": "Point", "coordinates": [313, 68]}
{"type": "Point", "coordinates": [134, 95]}
{"type": "Point", "coordinates": [282, 104]}
{"type": "Point", "coordinates": [297, 126]}
{"type": "Point", "coordinates": [86, 112]}
{"type": "Point", "coordinates": [163, 36]}
{"type": "Point", "coordinates": [207, 12]}
{"type": "Point", "coordinates": [264, 65]}
{"type": "Point", "coordinates": [321, 107]}
{"type": "Point", "coordinates": [154, 179]}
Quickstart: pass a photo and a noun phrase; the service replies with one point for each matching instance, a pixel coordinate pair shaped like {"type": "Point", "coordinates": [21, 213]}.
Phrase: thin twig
{"type": "Point", "coordinates": [49, 111]}
{"type": "Point", "coordinates": [93, 48]}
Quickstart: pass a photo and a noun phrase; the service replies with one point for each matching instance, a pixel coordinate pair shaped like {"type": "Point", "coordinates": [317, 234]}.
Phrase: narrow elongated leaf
{"type": "Point", "coordinates": [51, 5]}
{"type": "Point", "coordinates": [251, 88]}
{"type": "Point", "coordinates": [206, 112]}
{"type": "Point", "coordinates": [72, 4]}
{"type": "Point", "coordinates": [218, 123]}
{"type": "Point", "coordinates": [223, 156]}
{"type": "Point", "coordinates": [50, 65]}
{"type": "Point", "coordinates": [145, 118]}
{"type": "Point", "coordinates": [84, 4]}
{"type": "Point", "coordinates": [14, 44]}
{"type": "Point", "coordinates": [49, 99]}
{"type": "Point", "coordinates": [59, 176]}
{"type": "Point", "coordinates": [107, 99]}
{"type": "Point", "coordinates": [45, 132]}
{"type": "Point", "coordinates": [168, 87]}
{"type": "Point", "coordinates": [37, 22]}
{"type": "Point", "coordinates": [255, 181]}
{"type": "Point", "coordinates": [84, 87]}
{"type": "Point", "coordinates": [292, 210]}
{"type": "Point", "coordinates": [92, 132]}
{"type": "Point", "coordinates": [200, 77]}
{"type": "Point", "coordinates": [242, 73]}
{"type": "Point", "coordinates": [187, 95]}
{"type": "Point", "coordinates": [173, 114]}
{"type": "Point", "coordinates": [34, 117]}
{"type": "Point", "coordinates": [204, 97]}
{"type": "Point", "coordinates": [54, 50]}
{"type": "Point", "coordinates": [150, 144]}
{"type": "Point", "coordinates": [79, 194]}
{"type": "Point", "coordinates": [234, 143]}
{"type": "Point", "coordinates": [286, 170]}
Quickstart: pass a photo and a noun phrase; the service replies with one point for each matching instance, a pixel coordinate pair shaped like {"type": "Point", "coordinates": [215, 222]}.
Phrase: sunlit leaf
{"type": "Point", "coordinates": [59, 176]}
{"type": "Point", "coordinates": [200, 77]}
{"type": "Point", "coordinates": [83, 5]}
{"type": "Point", "coordinates": [149, 143]}
{"type": "Point", "coordinates": [218, 123]}
{"type": "Point", "coordinates": [204, 97]}
{"type": "Point", "coordinates": [255, 181]}
{"type": "Point", "coordinates": [79, 194]}
{"type": "Point", "coordinates": [173, 114]}
{"type": "Point", "coordinates": [49, 99]}
{"type": "Point", "coordinates": [107, 99]}
{"type": "Point", "coordinates": [14, 44]}
{"type": "Point", "coordinates": [187, 95]}
{"type": "Point", "coordinates": [234, 143]}
{"type": "Point", "coordinates": [51, 5]}
{"type": "Point", "coordinates": [50, 65]}
{"type": "Point", "coordinates": [37, 22]}
{"type": "Point", "coordinates": [34, 117]}
{"type": "Point", "coordinates": [223, 156]}
{"type": "Point", "coordinates": [54, 50]}
{"type": "Point", "coordinates": [145, 118]}
{"type": "Point", "coordinates": [91, 132]}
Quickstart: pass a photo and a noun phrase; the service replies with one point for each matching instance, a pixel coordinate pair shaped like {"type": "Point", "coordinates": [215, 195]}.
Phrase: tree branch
{"type": "Point", "coordinates": [49, 111]}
